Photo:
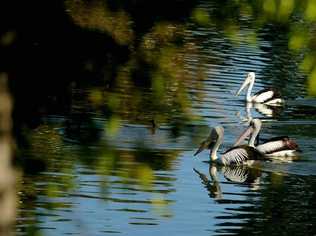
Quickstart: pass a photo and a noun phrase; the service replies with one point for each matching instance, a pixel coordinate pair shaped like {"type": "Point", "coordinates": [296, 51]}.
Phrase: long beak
{"type": "Point", "coordinates": [201, 148]}
{"type": "Point", "coordinates": [204, 145]}
{"type": "Point", "coordinates": [246, 82]}
{"type": "Point", "coordinates": [243, 136]}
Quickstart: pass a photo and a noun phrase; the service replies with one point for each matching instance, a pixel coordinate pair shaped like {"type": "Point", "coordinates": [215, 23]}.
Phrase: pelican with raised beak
{"type": "Point", "coordinates": [266, 96]}
{"type": "Point", "coordinates": [281, 146]}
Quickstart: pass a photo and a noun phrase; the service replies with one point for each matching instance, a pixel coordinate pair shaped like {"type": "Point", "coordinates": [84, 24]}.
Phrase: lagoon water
{"type": "Point", "coordinates": [144, 180]}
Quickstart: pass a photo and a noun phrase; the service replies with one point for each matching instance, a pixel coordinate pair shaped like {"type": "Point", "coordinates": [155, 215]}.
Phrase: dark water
{"type": "Point", "coordinates": [137, 179]}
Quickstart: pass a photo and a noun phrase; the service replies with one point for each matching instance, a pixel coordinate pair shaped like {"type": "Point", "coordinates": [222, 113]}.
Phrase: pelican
{"type": "Point", "coordinates": [266, 96]}
{"type": "Point", "coordinates": [235, 174]}
{"type": "Point", "coordinates": [275, 147]}
{"type": "Point", "coordinates": [237, 155]}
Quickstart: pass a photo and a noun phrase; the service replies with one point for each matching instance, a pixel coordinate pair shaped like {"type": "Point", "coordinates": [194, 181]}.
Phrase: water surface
{"type": "Point", "coordinates": [142, 179]}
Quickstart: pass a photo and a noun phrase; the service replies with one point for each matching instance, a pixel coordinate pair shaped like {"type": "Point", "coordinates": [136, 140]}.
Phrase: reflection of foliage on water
{"type": "Point", "coordinates": [49, 148]}
{"type": "Point", "coordinates": [105, 159]}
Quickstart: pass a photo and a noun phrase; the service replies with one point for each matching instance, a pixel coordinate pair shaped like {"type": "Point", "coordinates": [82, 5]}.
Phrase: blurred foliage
{"type": "Point", "coordinates": [95, 15]}
{"type": "Point", "coordinates": [153, 81]}
{"type": "Point", "coordinates": [133, 56]}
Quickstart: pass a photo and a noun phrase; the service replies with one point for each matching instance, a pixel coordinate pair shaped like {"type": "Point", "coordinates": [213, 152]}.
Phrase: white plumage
{"type": "Point", "coordinates": [274, 147]}
{"type": "Point", "coordinates": [270, 146]}
{"type": "Point", "coordinates": [266, 96]}
{"type": "Point", "coordinates": [236, 156]}
{"type": "Point", "coordinates": [262, 97]}
{"type": "Point", "coordinates": [276, 101]}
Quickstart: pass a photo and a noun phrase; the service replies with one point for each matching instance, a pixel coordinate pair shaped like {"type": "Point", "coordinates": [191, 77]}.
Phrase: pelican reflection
{"type": "Point", "coordinates": [235, 174]}
{"type": "Point", "coordinates": [265, 110]}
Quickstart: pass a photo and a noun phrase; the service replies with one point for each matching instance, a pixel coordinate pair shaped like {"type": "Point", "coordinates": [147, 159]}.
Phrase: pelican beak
{"type": "Point", "coordinates": [205, 145]}
{"type": "Point", "coordinates": [201, 148]}
{"type": "Point", "coordinates": [243, 86]}
{"type": "Point", "coordinates": [244, 135]}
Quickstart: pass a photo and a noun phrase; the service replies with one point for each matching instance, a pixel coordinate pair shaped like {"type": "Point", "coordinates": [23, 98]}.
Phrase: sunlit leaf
{"type": "Point", "coordinates": [96, 97]}
{"type": "Point", "coordinates": [285, 9]}
{"type": "Point", "coordinates": [105, 163]}
{"type": "Point", "coordinates": [307, 63]}
{"type": "Point", "coordinates": [158, 85]}
{"type": "Point", "coordinates": [7, 38]}
{"type": "Point", "coordinates": [312, 83]}
{"type": "Point", "coordinates": [96, 15]}
{"type": "Point", "coordinates": [113, 101]}
{"type": "Point", "coordinates": [145, 175]}
{"type": "Point", "coordinates": [297, 41]}
{"type": "Point", "coordinates": [310, 11]}
{"type": "Point", "coordinates": [52, 190]}
{"type": "Point", "coordinates": [113, 125]}
{"type": "Point", "coordinates": [251, 38]}
{"type": "Point", "coordinates": [232, 31]}
{"type": "Point", "coordinates": [201, 16]}
{"type": "Point", "coordinates": [269, 6]}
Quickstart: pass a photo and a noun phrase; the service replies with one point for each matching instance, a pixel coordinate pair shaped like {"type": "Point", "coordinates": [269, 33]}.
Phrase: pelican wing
{"type": "Point", "coordinates": [277, 144]}
{"type": "Point", "coordinates": [265, 95]}
{"type": "Point", "coordinates": [239, 155]}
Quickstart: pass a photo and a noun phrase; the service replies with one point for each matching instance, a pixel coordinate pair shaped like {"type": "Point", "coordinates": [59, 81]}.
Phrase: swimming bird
{"type": "Point", "coordinates": [238, 155]}
{"type": "Point", "coordinates": [266, 96]}
{"type": "Point", "coordinates": [281, 146]}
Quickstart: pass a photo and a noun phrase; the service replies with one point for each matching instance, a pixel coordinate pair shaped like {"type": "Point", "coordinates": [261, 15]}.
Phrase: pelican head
{"type": "Point", "coordinates": [217, 135]}
{"type": "Point", "coordinates": [253, 130]}
{"type": "Point", "coordinates": [250, 79]}
{"type": "Point", "coordinates": [213, 140]}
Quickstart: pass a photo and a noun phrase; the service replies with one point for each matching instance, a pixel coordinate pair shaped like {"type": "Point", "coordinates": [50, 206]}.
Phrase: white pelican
{"type": "Point", "coordinates": [275, 147]}
{"type": "Point", "coordinates": [266, 96]}
{"type": "Point", "coordinates": [237, 155]}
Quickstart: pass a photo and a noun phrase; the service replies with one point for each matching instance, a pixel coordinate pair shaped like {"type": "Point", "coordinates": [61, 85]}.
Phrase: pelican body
{"type": "Point", "coordinates": [238, 155]}
{"type": "Point", "coordinates": [281, 146]}
{"type": "Point", "coordinates": [266, 96]}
